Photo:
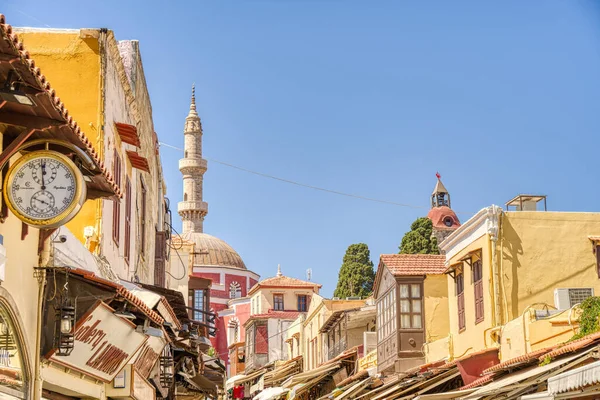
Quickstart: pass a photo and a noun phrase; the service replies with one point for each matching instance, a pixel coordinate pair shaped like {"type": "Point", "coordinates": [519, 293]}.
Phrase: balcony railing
{"type": "Point", "coordinates": [336, 348]}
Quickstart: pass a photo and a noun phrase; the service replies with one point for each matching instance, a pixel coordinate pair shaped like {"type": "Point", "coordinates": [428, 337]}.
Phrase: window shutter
{"type": "Point", "coordinates": [159, 259]}
{"type": "Point", "coordinates": [116, 228]}
{"type": "Point", "coordinates": [461, 311]}
{"type": "Point", "coordinates": [127, 250]}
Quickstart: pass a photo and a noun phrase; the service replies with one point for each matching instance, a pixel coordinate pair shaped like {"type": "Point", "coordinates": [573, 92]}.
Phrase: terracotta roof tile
{"type": "Point", "coordinates": [122, 291]}
{"type": "Point", "coordinates": [283, 282]}
{"type": "Point", "coordinates": [572, 346]}
{"type": "Point", "coordinates": [525, 358]}
{"type": "Point", "coordinates": [17, 49]}
{"type": "Point", "coordinates": [478, 382]}
{"type": "Point", "coordinates": [414, 264]}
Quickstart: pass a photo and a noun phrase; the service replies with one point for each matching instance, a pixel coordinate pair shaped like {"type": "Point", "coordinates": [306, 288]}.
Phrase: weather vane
{"type": "Point", "coordinates": [437, 174]}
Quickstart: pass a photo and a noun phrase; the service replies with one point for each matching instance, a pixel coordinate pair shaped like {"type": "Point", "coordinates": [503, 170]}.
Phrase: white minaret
{"type": "Point", "coordinates": [192, 209]}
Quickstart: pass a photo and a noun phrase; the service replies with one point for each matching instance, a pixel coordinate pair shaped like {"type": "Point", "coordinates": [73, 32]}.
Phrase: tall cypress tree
{"type": "Point", "coordinates": [356, 273]}
{"type": "Point", "coordinates": [419, 240]}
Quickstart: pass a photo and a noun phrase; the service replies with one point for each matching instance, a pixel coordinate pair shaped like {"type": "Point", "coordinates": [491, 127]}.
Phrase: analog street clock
{"type": "Point", "coordinates": [44, 189]}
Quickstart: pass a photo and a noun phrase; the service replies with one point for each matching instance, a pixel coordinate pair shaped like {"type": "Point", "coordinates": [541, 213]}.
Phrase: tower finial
{"type": "Point", "coordinates": [193, 102]}
{"type": "Point", "coordinates": [279, 270]}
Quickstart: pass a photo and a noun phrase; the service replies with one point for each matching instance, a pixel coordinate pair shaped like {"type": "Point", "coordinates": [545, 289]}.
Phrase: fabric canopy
{"type": "Point", "coordinates": [575, 379]}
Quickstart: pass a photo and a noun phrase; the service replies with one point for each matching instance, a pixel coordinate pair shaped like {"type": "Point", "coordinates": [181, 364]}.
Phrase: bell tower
{"type": "Point", "coordinates": [192, 166]}
{"type": "Point", "coordinates": [442, 217]}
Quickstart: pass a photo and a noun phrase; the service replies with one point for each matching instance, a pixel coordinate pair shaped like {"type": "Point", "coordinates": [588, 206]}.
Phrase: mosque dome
{"type": "Point", "coordinates": [212, 251]}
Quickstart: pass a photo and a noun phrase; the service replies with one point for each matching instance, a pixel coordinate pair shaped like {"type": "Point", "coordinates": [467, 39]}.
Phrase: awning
{"type": "Point", "coordinates": [271, 393]}
{"type": "Point", "coordinates": [250, 377]}
{"type": "Point", "coordinates": [199, 382]}
{"type": "Point", "coordinates": [229, 383]}
{"type": "Point", "coordinates": [510, 382]}
{"type": "Point", "coordinates": [128, 134]}
{"type": "Point", "coordinates": [138, 161]}
{"type": "Point", "coordinates": [538, 396]}
{"type": "Point", "coordinates": [445, 396]}
{"type": "Point", "coordinates": [575, 379]}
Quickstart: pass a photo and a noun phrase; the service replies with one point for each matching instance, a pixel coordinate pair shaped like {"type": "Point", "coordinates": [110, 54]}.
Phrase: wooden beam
{"type": "Point", "coordinates": [29, 121]}
{"type": "Point", "coordinates": [12, 148]}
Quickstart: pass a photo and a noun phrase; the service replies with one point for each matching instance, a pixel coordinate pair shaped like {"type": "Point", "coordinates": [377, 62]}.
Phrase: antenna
{"type": "Point", "coordinates": [308, 274]}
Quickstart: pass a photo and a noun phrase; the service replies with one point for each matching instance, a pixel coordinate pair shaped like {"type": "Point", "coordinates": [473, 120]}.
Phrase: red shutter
{"type": "Point", "coordinates": [479, 301]}
{"type": "Point", "coordinates": [478, 286]}
{"type": "Point", "coordinates": [116, 203]}
{"type": "Point", "coordinates": [127, 250]}
{"type": "Point", "coordinates": [461, 311]}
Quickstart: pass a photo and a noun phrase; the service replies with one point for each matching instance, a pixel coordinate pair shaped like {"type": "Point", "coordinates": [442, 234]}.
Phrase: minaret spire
{"type": "Point", "coordinates": [192, 209]}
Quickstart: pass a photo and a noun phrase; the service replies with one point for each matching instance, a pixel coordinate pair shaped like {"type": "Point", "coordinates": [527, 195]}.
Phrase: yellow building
{"type": "Point", "coordinates": [103, 82]}
{"type": "Point", "coordinates": [275, 303]}
{"type": "Point", "coordinates": [412, 308]}
{"type": "Point", "coordinates": [312, 340]}
{"type": "Point", "coordinates": [502, 266]}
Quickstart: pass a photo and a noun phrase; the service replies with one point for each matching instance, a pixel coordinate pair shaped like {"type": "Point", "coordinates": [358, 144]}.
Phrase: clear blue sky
{"type": "Point", "coordinates": [365, 97]}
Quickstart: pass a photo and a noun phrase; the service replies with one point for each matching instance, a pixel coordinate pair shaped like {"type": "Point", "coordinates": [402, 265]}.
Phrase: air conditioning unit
{"type": "Point", "coordinates": [565, 298]}
{"type": "Point", "coordinates": [369, 341]}
{"type": "Point", "coordinates": [353, 298]}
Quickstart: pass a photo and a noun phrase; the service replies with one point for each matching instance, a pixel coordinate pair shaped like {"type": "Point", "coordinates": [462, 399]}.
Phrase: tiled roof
{"type": "Point", "coordinates": [122, 291]}
{"type": "Point", "coordinates": [572, 346]}
{"type": "Point", "coordinates": [478, 382]}
{"type": "Point", "coordinates": [283, 282]}
{"type": "Point", "coordinates": [525, 358]}
{"type": "Point", "coordinates": [275, 315]}
{"type": "Point", "coordinates": [414, 264]}
{"type": "Point", "coordinates": [11, 46]}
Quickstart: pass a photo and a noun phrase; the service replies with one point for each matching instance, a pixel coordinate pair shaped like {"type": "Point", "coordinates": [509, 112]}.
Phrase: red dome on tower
{"type": "Point", "coordinates": [443, 218]}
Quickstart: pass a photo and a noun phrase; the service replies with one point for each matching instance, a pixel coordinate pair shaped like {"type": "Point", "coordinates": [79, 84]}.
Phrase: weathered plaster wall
{"type": "Point", "coordinates": [278, 348]}
{"type": "Point", "coordinates": [542, 251]}
{"type": "Point", "coordinates": [70, 60]}
{"type": "Point", "coordinates": [437, 320]}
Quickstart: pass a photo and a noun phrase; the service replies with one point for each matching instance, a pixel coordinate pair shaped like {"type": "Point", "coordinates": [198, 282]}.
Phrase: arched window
{"type": "Point", "coordinates": [235, 290]}
{"type": "Point", "coordinates": [234, 331]}
{"type": "Point", "coordinates": [185, 197]}
{"type": "Point", "coordinates": [186, 154]}
{"type": "Point", "coordinates": [11, 362]}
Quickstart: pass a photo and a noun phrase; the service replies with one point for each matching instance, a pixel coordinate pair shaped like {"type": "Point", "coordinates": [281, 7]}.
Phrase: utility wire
{"type": "Point", "coordinates": [309, 186]}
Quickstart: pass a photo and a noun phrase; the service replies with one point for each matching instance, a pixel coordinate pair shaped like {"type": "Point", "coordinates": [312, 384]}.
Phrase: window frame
{"type": "Point", "coordinates": [116, 219]}
{"type": "Point", "coordinates": [276, 303]}
{"type": "Point", "coordinates": [478, 290]}
{"type": "Point", "coordinates": [411, 313]}
{"type": "Point", "coordinates": [192, 296]}
{"type": "Point", "coordinates": [302, 303]}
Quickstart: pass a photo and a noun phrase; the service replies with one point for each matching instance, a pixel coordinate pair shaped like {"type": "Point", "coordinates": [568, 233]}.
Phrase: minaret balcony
{"type": "Point", "coordinates": [192, 205]}
{"type": "Point", "coordinates": [193, 163]}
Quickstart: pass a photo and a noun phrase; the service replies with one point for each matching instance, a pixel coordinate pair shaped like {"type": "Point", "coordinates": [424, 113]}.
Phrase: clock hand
{"type": "Point", "coordinates": [43, 164]}
{"type": "Point", "coordinates": [42, 201]}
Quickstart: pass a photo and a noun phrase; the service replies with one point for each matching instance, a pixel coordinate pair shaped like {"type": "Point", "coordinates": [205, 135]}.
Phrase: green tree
{"type": "Point", "coordinates": [356, 273]}
{"type": "Point", "coordinates": [419, 240]}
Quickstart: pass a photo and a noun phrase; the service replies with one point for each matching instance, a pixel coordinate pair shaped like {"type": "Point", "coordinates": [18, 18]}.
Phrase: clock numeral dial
{"type": "Point", "coordinates": [43, 188]}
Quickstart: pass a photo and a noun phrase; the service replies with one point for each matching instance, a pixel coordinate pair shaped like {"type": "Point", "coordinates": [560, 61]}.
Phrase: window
{"type": "Point", "coordinates": [278, 302]}
{"type": "Point", "coordinates": [478, 285]}
{"type": "Point", "coordinates": [302, 302]}
{"type": "Point", "coordinates": [143, 219]}
{"type": "Point", "coordinates": [386, 314]}
{"type": "Point", "coordinates": [460, 289]}
{"type": "Point", "coordinates": [116, 221]}
{"type": "Point", "coordinates": [411, 314]}
{"type": "Point", "coordinates": [198, 300]}
{"type": "Point", "coordinates": [235, 290]}
{"type": "Point", "coordinates": [127, 251]}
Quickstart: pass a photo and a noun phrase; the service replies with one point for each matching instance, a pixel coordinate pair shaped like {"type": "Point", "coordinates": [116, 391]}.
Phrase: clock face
{"type": "Point", "coordinates": [44, 188]}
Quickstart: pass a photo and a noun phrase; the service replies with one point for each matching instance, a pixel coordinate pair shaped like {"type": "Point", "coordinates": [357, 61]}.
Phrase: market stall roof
{"type": "Point", "coordinates": [509, 382]}
{"type": "Point", "coordinates": [31, 109]}
{"type": "Point", "coordinates": [175, 299]}
{"type": "Point", "coordinates": [446, 395]}
{"type": "Point", "coordinates": [120, 290]}
{"type": "Point", "coordinates": [575, 379]}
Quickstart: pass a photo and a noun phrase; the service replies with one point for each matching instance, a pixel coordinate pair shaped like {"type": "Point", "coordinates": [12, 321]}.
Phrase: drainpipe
{"type": "Point", "coordinates": [493, 229]}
